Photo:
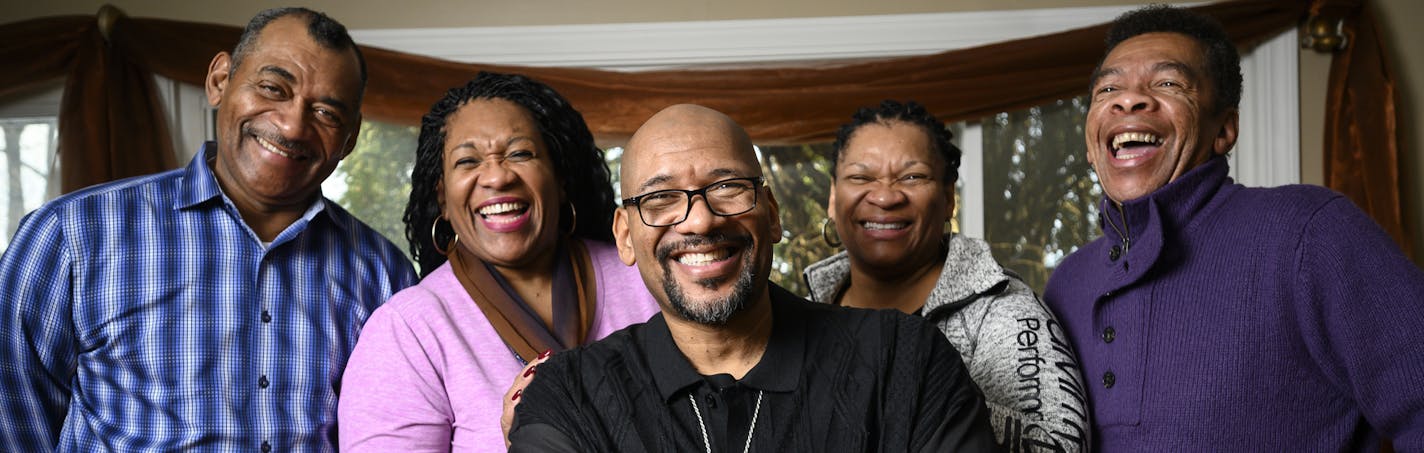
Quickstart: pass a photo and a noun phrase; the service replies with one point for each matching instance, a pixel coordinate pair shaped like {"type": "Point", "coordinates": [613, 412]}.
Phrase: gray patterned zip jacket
{"type": "Point", "coordinates": [1013, 345]}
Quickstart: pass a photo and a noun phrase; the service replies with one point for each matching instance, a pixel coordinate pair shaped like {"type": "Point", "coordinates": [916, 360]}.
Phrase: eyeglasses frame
{"type": "Point", "coordinates": [636, 201]}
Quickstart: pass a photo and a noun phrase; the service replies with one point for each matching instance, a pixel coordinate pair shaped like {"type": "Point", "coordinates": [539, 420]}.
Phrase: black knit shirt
{"type": "Point", "coordinates": [832, 379]}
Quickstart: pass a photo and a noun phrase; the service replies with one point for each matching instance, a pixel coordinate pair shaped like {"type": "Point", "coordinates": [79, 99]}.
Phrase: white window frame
{"type": "Point", "coordinates": [190, 118]}
{"type": "Point", "coordinates": [42, 102]}
{"type": "Point", "coordinates": [1268, 148]}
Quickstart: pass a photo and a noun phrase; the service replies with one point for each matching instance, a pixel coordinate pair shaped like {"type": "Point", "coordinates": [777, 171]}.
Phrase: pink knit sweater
{"type": "Point", "coordinates": [429, 373]}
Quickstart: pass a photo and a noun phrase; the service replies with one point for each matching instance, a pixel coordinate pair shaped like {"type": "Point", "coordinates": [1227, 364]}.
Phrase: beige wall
{"type": "Point", "coordinates": [1404, 38]}
{"type": "Point", "coordinates": [1314, 78]}
{"type": "Point", "coordinates": [366, 14]}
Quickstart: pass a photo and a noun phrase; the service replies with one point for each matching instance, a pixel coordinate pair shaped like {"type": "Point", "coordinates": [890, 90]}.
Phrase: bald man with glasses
{"type": "Point", "coordinates": [733, 362]}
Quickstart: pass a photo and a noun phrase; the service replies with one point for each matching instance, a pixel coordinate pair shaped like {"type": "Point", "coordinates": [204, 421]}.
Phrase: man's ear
{"type": "Point", "coordinates": [775, 216]}
{"type": "Point", "coordinates": [1226, 137]}
{"type": "Point", "coordinates": [353, 138]}
{"type": "Point", "coordinates": [219, 72]}
{"type": "Point", "coordinates": [621, 236]}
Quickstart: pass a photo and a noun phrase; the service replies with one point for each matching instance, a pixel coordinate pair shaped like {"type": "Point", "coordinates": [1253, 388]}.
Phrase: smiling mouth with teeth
{"type": "Point", "coordinates": [699, 259]}
{"type": "Point", "coordinates": [502, 208]}
{"type": "Point", "coordinates": [273, 148]}
{"type": "Point", "coordinates": [884, 226]}
{"type": "Point", "coordinates": [1134, 140]}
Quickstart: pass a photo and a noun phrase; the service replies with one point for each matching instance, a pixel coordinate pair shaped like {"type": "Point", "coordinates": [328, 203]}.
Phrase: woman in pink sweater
{"type": "Point", "coordinates": [509, 219]}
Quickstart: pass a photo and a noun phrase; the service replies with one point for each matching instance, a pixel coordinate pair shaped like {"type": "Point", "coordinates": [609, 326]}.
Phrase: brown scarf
{"type": "Point", "coordinates": [525, 333]}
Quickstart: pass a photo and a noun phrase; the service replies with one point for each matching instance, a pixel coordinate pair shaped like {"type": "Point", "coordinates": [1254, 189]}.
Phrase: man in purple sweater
{"type": "Point", "coordinates": [1211, 316]}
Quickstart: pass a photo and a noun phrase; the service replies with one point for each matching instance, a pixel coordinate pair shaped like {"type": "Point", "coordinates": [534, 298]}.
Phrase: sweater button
{"type": "Point", "coordinates": [1115, 252]}
{"type": "Point", "coordinates": [266, 447]}
{"type": "Point", "coordinates": [1109, 379]}
{"type": "Point", "coordinates": [1109, 334]}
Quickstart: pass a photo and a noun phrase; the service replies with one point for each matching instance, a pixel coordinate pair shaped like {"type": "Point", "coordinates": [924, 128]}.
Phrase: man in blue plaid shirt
{"type": "Point", "coordinates": [209, 308]}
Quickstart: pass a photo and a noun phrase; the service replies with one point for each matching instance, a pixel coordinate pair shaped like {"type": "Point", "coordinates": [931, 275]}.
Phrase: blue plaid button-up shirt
{"type": "Point", "coordinates": [144, 315]}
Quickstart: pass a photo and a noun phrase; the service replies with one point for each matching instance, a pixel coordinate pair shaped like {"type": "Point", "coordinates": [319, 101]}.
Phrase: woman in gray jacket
{"type": "Point", "coordinates": [892, 191]}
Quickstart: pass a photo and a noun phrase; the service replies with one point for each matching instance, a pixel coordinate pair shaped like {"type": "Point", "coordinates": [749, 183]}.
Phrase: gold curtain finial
{"type": "Point", "coordinates": [108, 15]}
{"type": "Point", "coordinates": [1325, 35]}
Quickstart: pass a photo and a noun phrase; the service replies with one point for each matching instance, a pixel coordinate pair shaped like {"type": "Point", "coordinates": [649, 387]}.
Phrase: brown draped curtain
{"type": "Point", "coordinates": [1361, 120]}
{"type": "Point", "coordinates": [111, 125]}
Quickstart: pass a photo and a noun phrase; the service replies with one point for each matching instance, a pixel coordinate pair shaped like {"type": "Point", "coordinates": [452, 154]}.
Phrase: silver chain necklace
{"type": "Point", "coordinates": [706, 443]}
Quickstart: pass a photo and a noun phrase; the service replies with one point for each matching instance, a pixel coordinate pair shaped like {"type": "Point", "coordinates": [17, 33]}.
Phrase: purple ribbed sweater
{"type": "Point", "coordinates": [1245, 319]}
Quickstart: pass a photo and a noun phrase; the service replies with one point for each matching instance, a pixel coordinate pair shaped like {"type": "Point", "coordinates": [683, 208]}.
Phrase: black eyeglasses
{"type": "Point", "coordinates": [727, 197]}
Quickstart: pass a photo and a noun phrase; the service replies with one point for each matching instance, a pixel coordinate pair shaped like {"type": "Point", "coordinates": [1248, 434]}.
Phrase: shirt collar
{"type": "Point", "coordinates": [780, 367]}
{"type": "Point", "coordinates": [1178, 202]}
{"type": "Point", "coordinates": [1149, 221]}
{"type": "Point", "coordinates": [198, 184]}
{"type": "Point", "coordinates": [778, 371]}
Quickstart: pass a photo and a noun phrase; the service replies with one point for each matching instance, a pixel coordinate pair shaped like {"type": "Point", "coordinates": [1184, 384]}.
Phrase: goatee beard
{"type": "Point", "coordinates": [718, 311]}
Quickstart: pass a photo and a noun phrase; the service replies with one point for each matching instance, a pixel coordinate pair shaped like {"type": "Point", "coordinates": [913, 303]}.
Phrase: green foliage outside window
{"type": "Point", "coordinates": [1040, 193]}
{"type": "Point", "coordinates": [800, 179]}
{"type": "Point", "coordinates": [377, 178]}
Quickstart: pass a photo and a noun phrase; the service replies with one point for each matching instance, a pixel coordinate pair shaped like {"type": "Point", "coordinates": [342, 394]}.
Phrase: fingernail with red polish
{"type": "Point", "coordinates": [546, 354]}
{"type": "Point", "coordinates": [529, 371]}
{"type": "Point", "coordinates": [516, 395]}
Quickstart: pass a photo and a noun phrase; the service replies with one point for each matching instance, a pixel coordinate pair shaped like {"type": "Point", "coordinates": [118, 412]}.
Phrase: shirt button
{"type": "Point", "coordinates": [266, 447]}
{"type": "Point", "coordinates": [262, 381]}
{"type": "Point", "coordinates": [1109, 335]}
{"type": "Point", "coordinates": [266, 317]}
{"type": "Point", "coordinates": [1109, 379]}
{"type": "Point", "coordinates": [1115, 252]}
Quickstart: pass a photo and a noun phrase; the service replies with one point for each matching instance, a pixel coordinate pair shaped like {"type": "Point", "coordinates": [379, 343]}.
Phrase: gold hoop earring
{"type": "Point", "coordinates": [433, 243]}
{"type": "Point", "coordinates": [826, 225]}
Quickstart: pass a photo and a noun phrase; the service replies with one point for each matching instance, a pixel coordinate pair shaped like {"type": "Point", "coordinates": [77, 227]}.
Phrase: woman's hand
{"type": "Point", "coordinates": [511, 397]}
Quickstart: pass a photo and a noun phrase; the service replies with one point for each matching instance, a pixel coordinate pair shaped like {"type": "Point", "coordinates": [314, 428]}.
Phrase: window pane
{"type": "Point", "coordinates": [30, 158]}
{"type": "Point", "coordinates": [373, 183]}
{"type": "Point", "coordinates": [614, 156]}
{"type": "Point", "coordinates": [1040, 193]}
{"type": "Point", "coordinates": [800, 179]}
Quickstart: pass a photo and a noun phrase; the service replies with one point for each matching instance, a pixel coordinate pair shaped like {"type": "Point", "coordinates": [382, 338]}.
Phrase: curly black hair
{"type": "Point", "coordinates": [578, 162]}
{"type": "Point", "coordinates": [910, 112]}
{"type": "Point", "coordinates": [1223, 63]}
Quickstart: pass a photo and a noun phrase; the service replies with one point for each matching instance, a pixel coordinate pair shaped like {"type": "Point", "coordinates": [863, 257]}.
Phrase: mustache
{"type": "Point", "coordinates": [665, 250]}
{"type": "Point", "coordinates": [277, 139]}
